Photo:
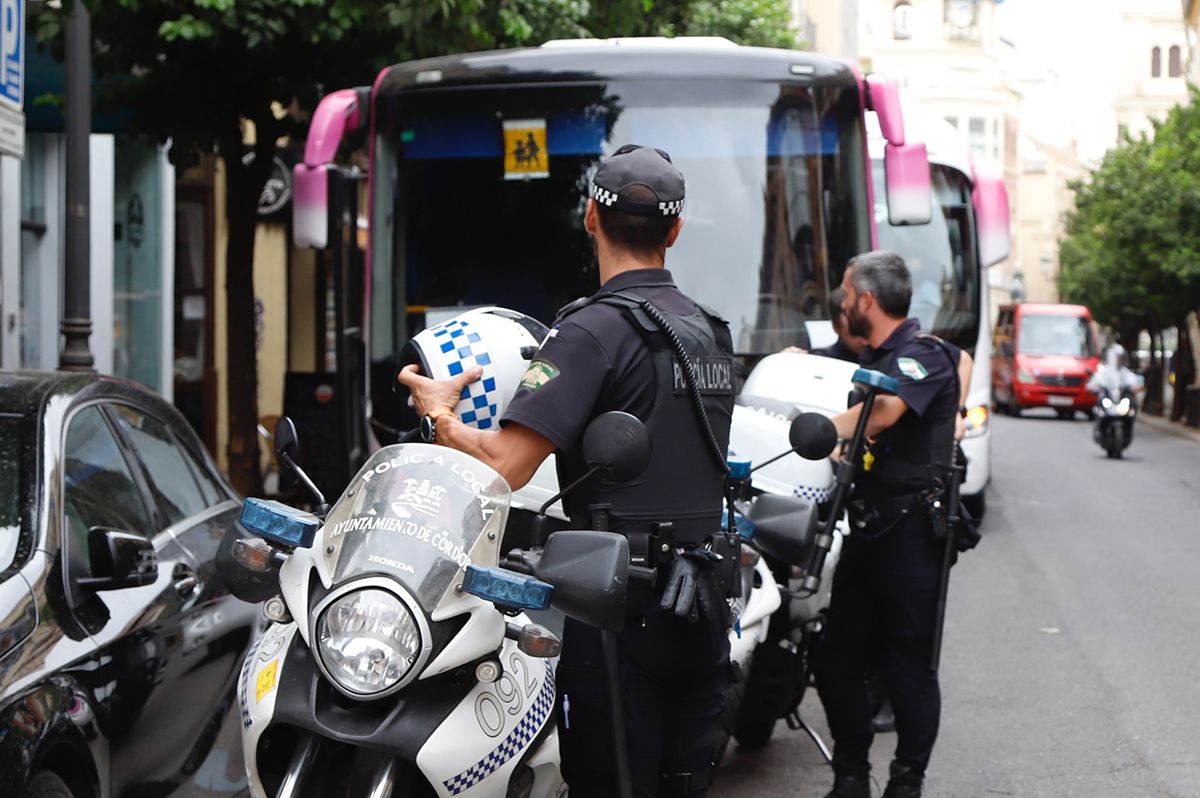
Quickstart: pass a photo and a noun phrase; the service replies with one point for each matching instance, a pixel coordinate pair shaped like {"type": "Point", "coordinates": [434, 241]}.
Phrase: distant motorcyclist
{"type": "Point", "coordinates": [1114, 378]}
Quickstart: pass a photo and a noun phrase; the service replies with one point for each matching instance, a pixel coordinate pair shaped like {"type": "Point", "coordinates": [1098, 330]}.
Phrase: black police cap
{"type": "Point", "coordinates": [634, 165]}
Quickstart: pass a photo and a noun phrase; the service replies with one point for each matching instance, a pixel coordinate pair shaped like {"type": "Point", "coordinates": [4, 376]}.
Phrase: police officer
{"type": "Point", "coordinates": [613, 351]}
{"type": "Point", "coordinates": [885, 591]}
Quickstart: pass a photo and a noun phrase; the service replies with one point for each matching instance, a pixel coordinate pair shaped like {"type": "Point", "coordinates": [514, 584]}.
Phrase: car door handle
{"type": "Point", "coordinates": [186, 583]}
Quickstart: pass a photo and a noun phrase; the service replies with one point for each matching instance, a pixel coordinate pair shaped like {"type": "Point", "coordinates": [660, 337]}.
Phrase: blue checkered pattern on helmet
{"type": "Point", "coordinates": [460, 348]}
{"type": "Point", "coordinates": [817, 495]}
{"type": "Point", "coordinates": [513, 744]}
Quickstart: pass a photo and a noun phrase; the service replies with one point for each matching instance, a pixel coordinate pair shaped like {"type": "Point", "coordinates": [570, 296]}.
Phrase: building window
{"type": "Point", "coordinates": [953, 120]}
{"type": "Point", "coordinates": [977, 136]}
{"type": "Point", "coordinates": [996, 139]}
{"type": "Point", "coordinates": [1156, 62]}
{"type": "Point", "coordinates": [1174, 67]}
{"type": "Point", "coordinates": [902, 20]}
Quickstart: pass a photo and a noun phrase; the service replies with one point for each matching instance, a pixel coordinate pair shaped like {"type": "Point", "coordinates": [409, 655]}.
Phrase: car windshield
{"type": "Point", "coordinates": [776, 198]}
{"type": "Point", "coordinates": [1045, 334]}
{"type": "Point", "coordinates": [420, 514]}
{"type": "Point", "coordinates": [10, 489]}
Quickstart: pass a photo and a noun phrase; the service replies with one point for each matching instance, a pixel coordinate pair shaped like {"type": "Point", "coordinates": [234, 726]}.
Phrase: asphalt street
{"type": "Point", "coordinates": [1072, 656]}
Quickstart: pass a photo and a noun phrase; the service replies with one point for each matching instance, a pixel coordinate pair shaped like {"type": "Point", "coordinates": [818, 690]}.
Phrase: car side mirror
{"type": "Point", "coordinates": [119, 560]}
{"type": "Point", "coordinates": [590, 575]}
{"type": "Point", "coordinates": [812, 436]}
{"type": "Point", "coordinates": [617, 445]}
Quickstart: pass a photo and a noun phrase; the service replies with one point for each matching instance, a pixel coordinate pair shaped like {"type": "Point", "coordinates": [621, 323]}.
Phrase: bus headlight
{"type": "Point", "coordinates": [976, 421]}
{"type": "Point", "coordinates": [368, 640]}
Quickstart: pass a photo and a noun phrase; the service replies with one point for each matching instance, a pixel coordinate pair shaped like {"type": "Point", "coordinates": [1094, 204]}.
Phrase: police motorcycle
{"type": "Point", "coordinates": [400, 660]}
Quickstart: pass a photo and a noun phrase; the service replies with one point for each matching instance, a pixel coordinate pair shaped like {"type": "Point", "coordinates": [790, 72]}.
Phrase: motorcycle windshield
{"type": "Point", "coordinates": [419, 514]}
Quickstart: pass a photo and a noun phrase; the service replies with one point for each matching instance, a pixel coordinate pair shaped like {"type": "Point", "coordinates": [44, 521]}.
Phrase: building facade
{"type": "Point", "coordinates": [1046, 198]}
{"type": "Point", "coordinates": [1155, 50]}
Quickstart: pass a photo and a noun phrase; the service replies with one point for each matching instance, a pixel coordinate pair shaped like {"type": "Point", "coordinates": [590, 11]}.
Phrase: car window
{"type": "Point", "coordinates": [171, 479]}
{"type": "Point", "coordinates": [214, 492]}
{"type": "Point", "coordinates": [98, 489]}
{"type": "Point", "coordinates": [10, 489]}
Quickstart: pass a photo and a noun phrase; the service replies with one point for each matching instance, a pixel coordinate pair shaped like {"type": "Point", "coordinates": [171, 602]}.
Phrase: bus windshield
{"type": "Point", "coordinates": [776, 199]}
{"type": "Point", "coordinates": [941, 255]}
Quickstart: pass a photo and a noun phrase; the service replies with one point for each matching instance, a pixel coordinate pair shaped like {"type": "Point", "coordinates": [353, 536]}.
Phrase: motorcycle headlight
{"type": "Point", "coordinates": [368, 641]}
{"type": "Point", "coordinates": [1124, 406]}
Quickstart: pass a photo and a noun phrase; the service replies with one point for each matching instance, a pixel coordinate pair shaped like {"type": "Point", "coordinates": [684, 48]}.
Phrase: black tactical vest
{"type": "Point", "coordinates": [684, 482]}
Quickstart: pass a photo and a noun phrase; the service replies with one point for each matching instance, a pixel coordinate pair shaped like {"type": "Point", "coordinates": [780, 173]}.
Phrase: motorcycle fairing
{"type": "Point", "coordinates": [257, 688]}
{"type": "Point", "coordinates": [493, 727]}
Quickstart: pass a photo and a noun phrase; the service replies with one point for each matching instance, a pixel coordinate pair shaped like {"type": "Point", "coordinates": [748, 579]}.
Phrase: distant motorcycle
{"type": "Point", "coordinates": [1113, 429]}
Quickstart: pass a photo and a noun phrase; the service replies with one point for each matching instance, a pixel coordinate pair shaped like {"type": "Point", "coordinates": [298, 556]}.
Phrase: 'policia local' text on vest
{"type": "Point", "coordinates": [684, 481]}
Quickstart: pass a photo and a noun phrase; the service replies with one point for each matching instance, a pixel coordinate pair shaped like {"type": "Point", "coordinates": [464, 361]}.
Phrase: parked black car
{"type": "Point", "coordinates": [119, 648]}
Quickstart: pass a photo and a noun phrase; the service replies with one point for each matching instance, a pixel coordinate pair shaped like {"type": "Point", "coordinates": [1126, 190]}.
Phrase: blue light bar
{"type": "Point", "coordinates": [507, 588]}
{"type": "Point", "coordinates": [877, 380]}
{"type": "Point", "coordinates": [279, 523]}
{"type": "Point", "coordinates": [739, 467]}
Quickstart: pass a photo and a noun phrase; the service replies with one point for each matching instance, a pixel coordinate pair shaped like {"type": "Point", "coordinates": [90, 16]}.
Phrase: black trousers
{"type": "Point", "coordinates": [673, 676]}
{"type": "Point", "coordinates": [882, 610]}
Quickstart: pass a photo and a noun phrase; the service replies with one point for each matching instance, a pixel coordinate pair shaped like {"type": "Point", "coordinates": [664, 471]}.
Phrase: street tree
{"type": "Point", "coordinates": [221, 76]}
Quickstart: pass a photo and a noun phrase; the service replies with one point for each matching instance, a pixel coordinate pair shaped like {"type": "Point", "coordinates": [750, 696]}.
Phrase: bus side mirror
{"type": "Point", "coordinates": [905, 163]}
{"type": "Point", "coordinates": [336, 114]}
{"type": "Point", "coordinates": [990, 198]}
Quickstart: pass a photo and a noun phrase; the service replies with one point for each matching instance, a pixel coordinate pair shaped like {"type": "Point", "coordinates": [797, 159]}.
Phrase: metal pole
{"type": "Point", "coordinates": [76, 324]}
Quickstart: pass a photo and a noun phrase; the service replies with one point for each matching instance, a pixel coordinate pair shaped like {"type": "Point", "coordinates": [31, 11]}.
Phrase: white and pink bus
{"type": "Point", "coordinates": [479, 165]}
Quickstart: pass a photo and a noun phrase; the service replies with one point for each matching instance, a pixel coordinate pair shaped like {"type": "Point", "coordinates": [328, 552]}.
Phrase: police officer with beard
{"type": "Point", "coordinates": [641, 346]}
{"type": "Point", "coordinates": [885, 591]}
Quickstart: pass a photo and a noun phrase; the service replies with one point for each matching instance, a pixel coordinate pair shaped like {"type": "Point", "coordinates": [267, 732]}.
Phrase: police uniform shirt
{"type": "Point", "coordinates": [927, 384]}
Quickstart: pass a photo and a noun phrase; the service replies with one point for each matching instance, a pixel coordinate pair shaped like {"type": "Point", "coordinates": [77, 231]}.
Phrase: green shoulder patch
{"type": "Point", "coordinates": [538, 374]}
{"type": "Point", "coordinates": [912, 369]}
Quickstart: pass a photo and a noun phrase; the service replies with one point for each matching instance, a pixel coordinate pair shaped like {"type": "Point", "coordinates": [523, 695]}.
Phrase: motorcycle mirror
{"type": "Point", "coordinates": [590, 574]}
{"type": "Point", "coordinates": [287, 443]}
{"type": "Point", "coordinates": [287, 456]}
{"type": "Point", "coordinates": [812, 436]}
{"type": "Point", "coordinates": [617, 445]}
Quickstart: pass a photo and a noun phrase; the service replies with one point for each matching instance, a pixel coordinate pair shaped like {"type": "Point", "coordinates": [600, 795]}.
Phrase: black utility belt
{"type": "Point", "coordinates": [656, 549]}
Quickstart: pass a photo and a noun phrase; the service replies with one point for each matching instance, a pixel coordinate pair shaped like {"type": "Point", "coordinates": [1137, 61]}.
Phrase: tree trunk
{"type": "Point", "coordinates": [244, 185]}
{"type": "Point", "coordinates": [1184, 371]}
{"type": "Point", "coordinates": [1153, 403]}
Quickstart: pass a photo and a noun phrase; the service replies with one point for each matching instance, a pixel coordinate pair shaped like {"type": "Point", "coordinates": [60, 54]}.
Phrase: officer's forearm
{"type": "Point", "coordinates": [514, 451]}
{"type": "Point", "coordinates": [886, 412]}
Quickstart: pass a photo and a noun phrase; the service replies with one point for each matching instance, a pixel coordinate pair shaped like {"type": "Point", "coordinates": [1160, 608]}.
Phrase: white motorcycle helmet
{"type": "Point", "coordinates": [500, 340]}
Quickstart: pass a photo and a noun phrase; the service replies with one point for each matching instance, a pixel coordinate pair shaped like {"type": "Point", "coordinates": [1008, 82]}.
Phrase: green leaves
{"type": "Point", "coordinates": [1132, 250]}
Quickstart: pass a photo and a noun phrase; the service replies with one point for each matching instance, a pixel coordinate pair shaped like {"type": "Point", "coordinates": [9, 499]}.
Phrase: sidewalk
{"type": "Point", "coordinates": [1163, 424]}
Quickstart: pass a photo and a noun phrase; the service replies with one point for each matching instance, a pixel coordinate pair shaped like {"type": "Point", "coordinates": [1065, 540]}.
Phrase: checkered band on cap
{"type": "Point", "coordinates": [671, 208]}
{"type": "Point", "coordinates": [460, 348]}
{"type": "Point", "coordinates": [603, 196]}
{"type": "Point", "coordinates": [512, 745]}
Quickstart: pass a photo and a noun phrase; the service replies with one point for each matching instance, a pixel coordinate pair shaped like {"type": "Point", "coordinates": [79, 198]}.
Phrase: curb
{"type": "Point", "coordinates": [1162, 424]}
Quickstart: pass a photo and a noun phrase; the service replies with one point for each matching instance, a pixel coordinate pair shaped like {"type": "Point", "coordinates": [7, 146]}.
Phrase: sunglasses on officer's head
{"type": "Point", "coordinates": [631, 147]}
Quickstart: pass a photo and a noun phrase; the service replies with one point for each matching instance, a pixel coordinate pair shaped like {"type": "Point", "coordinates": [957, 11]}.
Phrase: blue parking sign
{"type": "Point", "coordinates": [12, 51]}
